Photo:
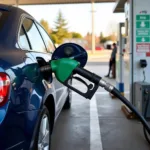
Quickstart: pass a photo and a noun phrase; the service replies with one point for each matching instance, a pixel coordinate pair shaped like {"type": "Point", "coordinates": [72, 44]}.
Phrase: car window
{"type": "Point", "coordinates": [34, 36]}
{"type": "Point", "coordinates": [47, 40]}
{"type": "Point", "coordinates": [23, 40]}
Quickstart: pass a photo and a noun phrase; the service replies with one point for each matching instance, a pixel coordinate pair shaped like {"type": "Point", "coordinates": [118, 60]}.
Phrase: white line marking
{"type": "Point", "coordinates": [95, 133]}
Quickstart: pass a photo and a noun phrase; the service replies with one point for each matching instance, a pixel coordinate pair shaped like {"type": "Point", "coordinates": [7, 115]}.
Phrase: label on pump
{"type": "Point", "coordinates": [143, 48]}
{"type": "Point", "coordinates": [143, 33]}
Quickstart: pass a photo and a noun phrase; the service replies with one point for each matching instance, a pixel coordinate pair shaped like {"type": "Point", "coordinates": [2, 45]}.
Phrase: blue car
{"type": "Point", "coordinates": [29, 103]}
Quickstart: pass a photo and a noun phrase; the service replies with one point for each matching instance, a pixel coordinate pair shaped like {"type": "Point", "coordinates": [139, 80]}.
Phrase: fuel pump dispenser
{"type": "Point", "coordinates": [137, 27]}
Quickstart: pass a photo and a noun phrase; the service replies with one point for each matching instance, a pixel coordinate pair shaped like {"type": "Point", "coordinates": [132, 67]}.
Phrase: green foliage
{"type": "Point", "coordinates": [104, 39]}
{"type": "Point", "coordinates": [101, 36]}
{"type": "Point", "coordinates": [54, 37]}
{"type": "Point", "coordinates": [61, 30]}
{"type": "Point", "coordinates": [76, 35]}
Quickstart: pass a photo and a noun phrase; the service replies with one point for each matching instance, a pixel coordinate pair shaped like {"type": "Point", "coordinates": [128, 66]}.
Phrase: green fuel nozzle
{"type": "Point", "coordinates": [65, 70]}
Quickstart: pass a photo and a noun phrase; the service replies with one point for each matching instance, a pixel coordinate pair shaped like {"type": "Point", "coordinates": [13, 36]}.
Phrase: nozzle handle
{"type": "Point", "coordinates": [91, 88]}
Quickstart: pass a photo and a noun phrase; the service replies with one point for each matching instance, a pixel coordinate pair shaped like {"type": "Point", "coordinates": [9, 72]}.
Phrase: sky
{"type": "Point", "coordinates": [79, 16]}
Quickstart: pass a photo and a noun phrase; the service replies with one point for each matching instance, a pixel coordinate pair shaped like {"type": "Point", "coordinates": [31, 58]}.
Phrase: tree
{"type": "Point", "coordinates": [101, 37]}
{"type": "Point", "coordinates": [76, 35]}
{"type": "Point", "coordinates": [54, 37]}
{"type": "Point", "coordinates": [45, 24]}
{"type": "Point", "coordinates": [104, 40]}
{"type": "Point", "coordinates": [61, 30]}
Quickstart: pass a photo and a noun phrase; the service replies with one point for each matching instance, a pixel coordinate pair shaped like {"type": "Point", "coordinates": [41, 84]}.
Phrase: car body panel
{"type": "Point", "coordinates": [19, 116]}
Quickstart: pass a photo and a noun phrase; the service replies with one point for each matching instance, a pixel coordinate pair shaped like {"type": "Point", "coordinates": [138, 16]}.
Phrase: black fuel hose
{"type": "Point", "coordinates": [146, 126]}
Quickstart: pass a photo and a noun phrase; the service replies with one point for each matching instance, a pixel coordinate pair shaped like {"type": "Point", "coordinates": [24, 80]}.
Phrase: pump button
{"type": "Point", "coordinates": [143, 63]}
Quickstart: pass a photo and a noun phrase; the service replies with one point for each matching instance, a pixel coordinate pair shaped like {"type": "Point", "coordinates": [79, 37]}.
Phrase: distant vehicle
{"type": "Point", "coordinates": [28, 110]}
{"type": "Point", "coordinates": [99, 48]}
{"type": "Point", "coordinates": [108, 44]}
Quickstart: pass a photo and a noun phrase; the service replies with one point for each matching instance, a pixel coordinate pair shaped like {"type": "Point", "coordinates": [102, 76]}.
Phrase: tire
{"type": "Point", "coordinates": [67, 104]}
{"type": "Point", "coordinates": [43, 137]}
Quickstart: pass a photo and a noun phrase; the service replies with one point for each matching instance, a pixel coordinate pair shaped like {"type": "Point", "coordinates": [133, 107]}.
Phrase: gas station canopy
{"type": "Point", "coordinates": [119, 6]}
{"type": "Point", "coordinates": [36, 2]}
